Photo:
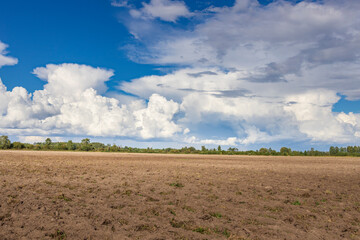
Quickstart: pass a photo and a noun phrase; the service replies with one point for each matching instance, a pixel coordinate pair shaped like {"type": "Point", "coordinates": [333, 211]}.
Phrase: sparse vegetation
{"type": "Point", "coordinates": [201, 230]}
{"type": "Point", "coordinates": [187, 208]}
{"type": "Point", "coordinates": [172, 212]}
{"type": "Point", "coordinates": [63, 197]}
{"type": "Point", "coordinates": [177, 184]}
{"type": "Point", "coordinates": [216, 215]}
{"type": "Point", "coordinates": [58, 235]}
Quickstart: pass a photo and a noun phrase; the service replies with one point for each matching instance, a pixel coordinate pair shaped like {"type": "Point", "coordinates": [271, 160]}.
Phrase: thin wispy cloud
{"type": "Point", "coordinates": [165, 10]}
{"type": "Point", "coordinates": [4, 59]}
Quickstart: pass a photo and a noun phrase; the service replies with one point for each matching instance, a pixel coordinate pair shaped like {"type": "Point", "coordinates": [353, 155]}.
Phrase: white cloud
{"type": "Point", "coordinates": [70, 104]}
{"type": "Point", "coordinates": [232, 141]}
{"type": "Point", "coordinates": [72, 79]}
{"type": "Point", "coordinates": [119, 3]}
{"type": "Point", "coordinates": [37, 139]}
{"type": "Point", "coordinates": [316, 45]}
{"type": "Point", "coordinates": [266, 112]}
{"type": "Point", "coordinates": [155, 120]}
{"type": "Point", "coordinates": [6, 60]}
{"type": "Point", "coordinates": [166, 10]}
{"type": "Point", "coordinates": [270, 73]}
{"type": "Point", "coordinates": [313, 113]}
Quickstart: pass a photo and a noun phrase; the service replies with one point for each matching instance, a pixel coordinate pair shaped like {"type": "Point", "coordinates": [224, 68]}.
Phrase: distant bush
{"type": "Point", "coordinates": [18, 145]}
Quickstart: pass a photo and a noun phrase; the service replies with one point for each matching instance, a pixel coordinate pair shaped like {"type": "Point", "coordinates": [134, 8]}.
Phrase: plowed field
{"type": "Point", "coordinates": [64, 195]}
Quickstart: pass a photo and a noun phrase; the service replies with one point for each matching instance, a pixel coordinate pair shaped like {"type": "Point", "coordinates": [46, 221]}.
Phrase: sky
{"type": "Point", "coordinates": [165, 73]}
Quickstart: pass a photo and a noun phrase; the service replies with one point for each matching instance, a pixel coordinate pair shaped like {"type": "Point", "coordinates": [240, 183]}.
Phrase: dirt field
{"type": "Point", "coordinates": [61, 195]}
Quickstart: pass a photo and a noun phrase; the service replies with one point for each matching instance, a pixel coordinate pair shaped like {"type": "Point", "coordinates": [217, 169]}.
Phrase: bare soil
{"type": "Point", "coordinates": [64, 195]}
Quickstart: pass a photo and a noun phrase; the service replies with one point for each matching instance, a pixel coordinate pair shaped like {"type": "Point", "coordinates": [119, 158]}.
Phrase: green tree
{"type": "Point", "coordinates": [48, 143]}
{"type": "Point", "coordinates": [231, 149]}
{"type": "Point", "coordinates": [333, 151]}
{"type": "Point", "coordinates": [18, 145]}
{"type": "Point", "coordinates": [5, 143]}
{"type": "Point", "coordinates": [85, 144]}
{"type": "Point", "coordinates": [70, 145]}
{"type": "Point", "coordinates": [264, 151]}
{"type": "Point", "coordinates": [114, 148]}
{"type": "Point", "coordinates": [285, 151]}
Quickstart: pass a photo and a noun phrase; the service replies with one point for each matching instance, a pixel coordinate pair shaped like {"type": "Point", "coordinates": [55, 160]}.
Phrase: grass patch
{"type": "Point", "coordinates": [178, 224]}
{"type": "Point", "coordinates": [177, 184]}
{"type": "Point", "coordinates": [201, 230]}
{"type": "Point", "coordinates": [296, 203]}
{"type": "Point", "coordinates": [127, 192]}
{"type": "Point", "coordinates": [274, 209]}
{"type": "Point", "coordinates": [188, 208]}
{"type": "Point", "coordinates": [172, 212]}
{"type": "Point", "coordinates": [224, 232]}
{"type": "Point", "coordinates": [59, 235]}
{"type": "Point", "coordinates": [216, 215]}
{"type": "Point", "coordinates": [63, 197]}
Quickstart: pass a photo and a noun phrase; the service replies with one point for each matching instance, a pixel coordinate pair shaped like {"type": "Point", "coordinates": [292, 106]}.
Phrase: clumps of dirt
{"type": "Point", "coordinates": [55, 195]}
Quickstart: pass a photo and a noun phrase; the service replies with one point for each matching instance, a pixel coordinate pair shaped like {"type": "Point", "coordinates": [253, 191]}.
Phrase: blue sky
{"type": "Point", "coordinates": [165, 73]}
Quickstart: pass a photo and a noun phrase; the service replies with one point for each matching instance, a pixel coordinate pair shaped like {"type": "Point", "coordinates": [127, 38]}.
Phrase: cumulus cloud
{"type": "Point", "coordinates": [269, 73]}
{"type": "Point", "coordinates": [73, 79]}
{"type": "Point", "coordinates": [267, 112]}
{"type": "Point", "coordinates": [6, 60]}
{"type": "Point", "coordinates": [166, 10]}
{"type": "Point", "coordinates": [71, 104]}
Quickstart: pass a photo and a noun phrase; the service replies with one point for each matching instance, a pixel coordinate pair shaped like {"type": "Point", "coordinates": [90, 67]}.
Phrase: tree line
{"type": "Point", "coordinates": [87, 145]}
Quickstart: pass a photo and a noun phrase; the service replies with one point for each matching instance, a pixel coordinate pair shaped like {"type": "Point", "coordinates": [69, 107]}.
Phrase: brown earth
{"type": "Point", "coordinates": [63, 195]}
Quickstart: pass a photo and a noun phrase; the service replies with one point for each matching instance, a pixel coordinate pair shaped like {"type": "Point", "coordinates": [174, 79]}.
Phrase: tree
{"type": "Point", "coordinates": [85, 144]}
{"type": "Point", "coordinates": [60, 146]}
{"type": "Point", "coordinates": [263, 151]}
{"type": "Point", "coordinates": [231, 149]}
{"type": "Point", "coordinates": [114, 148]}
{"type": "Point", "coordinates": [70, 145]}
{"type": "Point", "coordinates": [285, 151]}
{"type": "Point", "coordinates": [333, 150]}
{"type": "Point", "coordinates": [5, 143]}
{"type": "Point", "coordinates": [48, 143]}
{"type": "Point", "coordinates": [219, 148]}
{"type": "Point", "coordinates": [18, 145]}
